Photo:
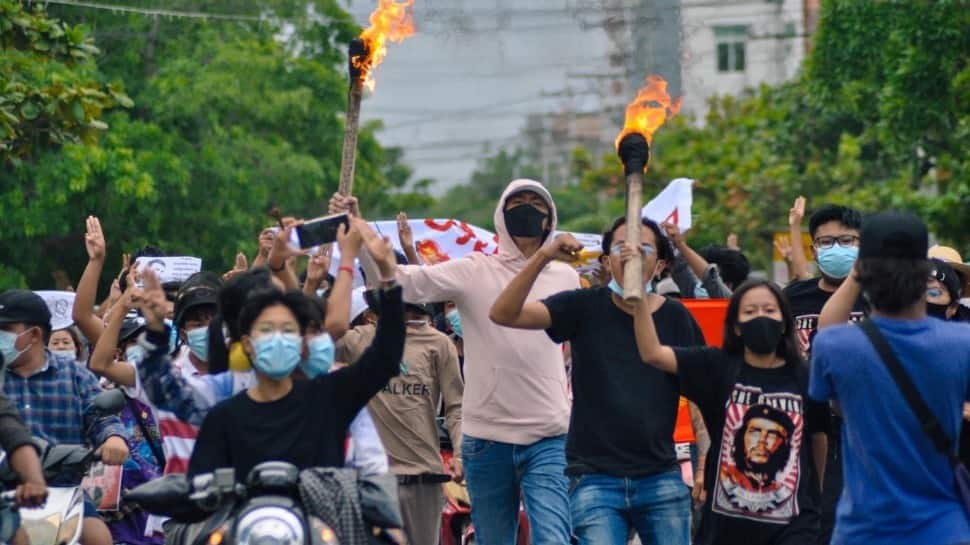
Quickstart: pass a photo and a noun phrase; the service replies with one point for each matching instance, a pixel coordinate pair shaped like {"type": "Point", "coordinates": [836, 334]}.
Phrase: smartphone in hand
{"type": "Point", "coordinates": [319, 231]}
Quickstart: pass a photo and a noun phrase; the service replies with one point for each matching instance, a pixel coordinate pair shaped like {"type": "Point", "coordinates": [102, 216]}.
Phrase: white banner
{"type": "Point", "coordinates": [170, 269]}
{"type": "Point", "coordinates": [440, 240]}
{"type": "Point", "coordinates": [672, 205]}
{"type": "Point", "coordinates": [61, 305]}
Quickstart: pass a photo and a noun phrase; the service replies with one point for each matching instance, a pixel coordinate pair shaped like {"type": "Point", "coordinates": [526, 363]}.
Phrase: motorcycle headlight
{"type": "Point", "coordinates": [270, 526]}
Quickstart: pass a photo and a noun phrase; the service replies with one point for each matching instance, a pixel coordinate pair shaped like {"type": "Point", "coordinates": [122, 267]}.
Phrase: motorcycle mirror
{"type": "Point", "coordinates": [110, 401]}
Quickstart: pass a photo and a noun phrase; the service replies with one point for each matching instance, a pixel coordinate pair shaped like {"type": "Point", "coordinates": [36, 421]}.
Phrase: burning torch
{"type": "Point", "coordinates": [390, 21]}
{"type": "Point", "coordinates": [648, 111]}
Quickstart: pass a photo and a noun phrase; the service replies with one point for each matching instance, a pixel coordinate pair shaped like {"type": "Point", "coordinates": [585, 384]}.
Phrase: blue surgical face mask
{"type": "Point", "coordinates": [618, 290]}
{"type": "Point", "coordinates": [198, 341]}
{"type": "Point", "coordinates": [455, 320]}
{"type": "Point", "coordinates": [69, 354]}
{"type": "Point", "coordinates": [836, 262]}
{"type": "Point", "coordinates": [277, 354]}
{"type": "Point", "coordinates": [8, 348]}
{"type": "Point", "coordinates": [321, 355]}
{"type": "Point", "coordinates": [135, 354]}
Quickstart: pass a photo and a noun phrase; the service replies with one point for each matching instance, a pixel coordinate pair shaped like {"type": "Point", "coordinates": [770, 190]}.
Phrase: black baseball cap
{"type": "Point", "coordinates": [200, 289]}
{"type": "Point", "coordinates": [24, 306]}
{"type": "Point", "coordinates": [896, 235]}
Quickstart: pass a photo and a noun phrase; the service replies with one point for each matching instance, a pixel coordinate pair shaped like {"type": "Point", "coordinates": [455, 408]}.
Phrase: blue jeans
{"type": "Point", "coordinates": [604, 508]}
{"type": "Point", "coordinates": [496, 474]}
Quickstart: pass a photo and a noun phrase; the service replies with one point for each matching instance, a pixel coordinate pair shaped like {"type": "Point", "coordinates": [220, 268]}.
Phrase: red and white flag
{"type": "Point", "coordinates": [672, 205]}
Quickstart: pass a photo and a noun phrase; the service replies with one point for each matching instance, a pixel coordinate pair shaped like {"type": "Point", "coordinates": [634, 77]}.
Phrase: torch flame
{"type": "Point", "coordinates": [649, 110]}
{"type": "Point", "coordinates": [390, 21]}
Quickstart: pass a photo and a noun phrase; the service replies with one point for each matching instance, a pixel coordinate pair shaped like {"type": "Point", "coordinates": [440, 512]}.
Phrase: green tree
{"type": "Point", "coordinates": [230, 118]}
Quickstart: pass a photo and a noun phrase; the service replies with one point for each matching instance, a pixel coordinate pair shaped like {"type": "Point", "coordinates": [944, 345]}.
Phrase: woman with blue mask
{"type": "Point", "coordinates": [196, 304]}
{"type": "Point", "coordinates": [301, 422]}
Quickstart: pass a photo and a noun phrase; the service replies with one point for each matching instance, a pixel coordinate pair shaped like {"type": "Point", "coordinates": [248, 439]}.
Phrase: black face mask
{"type": "Point", "coordinates": [762, 334]}
{"type": "Point", "coordinates": [936, 310]}
{"type": "Point", "coordinates": [525, 220]}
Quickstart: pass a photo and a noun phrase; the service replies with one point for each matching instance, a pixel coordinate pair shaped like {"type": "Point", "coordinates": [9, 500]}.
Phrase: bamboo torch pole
{"type": "Point", "coordinates": [634, 151]}
{"type": "Point", "coordinates": [356, 50]}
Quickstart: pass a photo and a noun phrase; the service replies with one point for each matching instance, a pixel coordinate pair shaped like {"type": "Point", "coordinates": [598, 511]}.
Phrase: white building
{"type": "Point", "coordinates": [728, 46]}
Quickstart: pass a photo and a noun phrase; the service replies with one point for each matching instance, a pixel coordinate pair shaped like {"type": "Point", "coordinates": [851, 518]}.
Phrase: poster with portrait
{"type": "Point", "coordinates": [103, 485]}
{"type": "Point", "coordinates": [759, 465]}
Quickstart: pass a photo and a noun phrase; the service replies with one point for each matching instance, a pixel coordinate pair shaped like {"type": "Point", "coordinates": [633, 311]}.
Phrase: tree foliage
{"type": "Point", "coordinates": [879, 118]}
{"type": "Point", "coordinates": [230, 118]}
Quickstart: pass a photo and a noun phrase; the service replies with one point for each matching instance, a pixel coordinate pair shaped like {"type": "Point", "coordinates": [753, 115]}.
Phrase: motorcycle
{"type": "Point", "coordinates": [264, 509]}
{"type": "Point", "coordinates": [59, 521]}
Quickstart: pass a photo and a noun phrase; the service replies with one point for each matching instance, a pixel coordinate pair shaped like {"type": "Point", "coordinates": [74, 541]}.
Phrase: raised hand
{"type": "Point", "coordinates": [783, 246]}
{"type": "Point", "coordinates": [266, 242]}
{"type": "Point", "coordinates": [94, 240]}
{"type": "Point", "coordinates": [151, 301]}
{"type": "Point", "coordinates": [673, 233]}
{"type": "Point", "coordinates": [564, 247]}
{"type": "Point", "coordinates": [797, 212]}
{"type": "Point", "coordinates": [404, 231]}
{"type": "Point", "coordinates": [379, 248]}
{"type": "Point", "coordinates": [340, 204]}
{"type": "Point", "coordinates": [349, 241]}
{"type": "Point", "coordinates": [242, 264]}
{"type": "Point", "coordinates": [317, 268]}
{"type": "Point", "coordinates": [281, 250]}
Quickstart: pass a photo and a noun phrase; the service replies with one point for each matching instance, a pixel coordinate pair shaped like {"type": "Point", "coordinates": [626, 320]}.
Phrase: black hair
{"type": "Point", "coordinates": [70, 330]}
{"type": "Point", "coordinates": [949, 277]}
{"type": "Point", "coordinates": [892, 284]}
{"type": "Point", "coordinates": [260, 300]}
{"type": "Point", "coordinates": [787, 347]}
{"type": "Point", "coordinates": [316, 311]}
{"type": "Point", "coordinates": [850, 217]}
{"type": "Point", "coordinates": [231, 300]}
{"type": "Point", "coordinates": [732, 264]}
{"type": "Point", "coordinates": [664, 250]}
{"type": "Point", "coordinates": [779, 458]}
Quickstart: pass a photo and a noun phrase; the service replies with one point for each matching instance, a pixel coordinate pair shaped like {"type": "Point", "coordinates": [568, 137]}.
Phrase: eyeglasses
{"type": "Point", "coordinates": [845, 241]}
{"type": "Point", "coordinates": [647, 248]}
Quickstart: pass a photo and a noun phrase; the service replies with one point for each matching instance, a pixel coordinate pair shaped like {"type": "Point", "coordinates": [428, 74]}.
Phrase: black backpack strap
{"type": "Point", "coordinates": [149, 438]}
{"type": "Point", "coordinates": [927, 420]}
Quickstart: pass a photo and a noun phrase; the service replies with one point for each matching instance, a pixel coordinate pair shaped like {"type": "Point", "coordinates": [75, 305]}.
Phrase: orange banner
{"type": "Point", "coordinates": [710, 314]}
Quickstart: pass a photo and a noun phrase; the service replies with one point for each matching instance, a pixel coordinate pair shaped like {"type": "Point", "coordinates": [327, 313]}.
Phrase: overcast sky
{"type": "Point", "coordinates": [474, 71]}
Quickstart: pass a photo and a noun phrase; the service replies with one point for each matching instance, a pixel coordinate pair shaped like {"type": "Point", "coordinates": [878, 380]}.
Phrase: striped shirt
{"type": "Point", "coordinates": [57, 400]}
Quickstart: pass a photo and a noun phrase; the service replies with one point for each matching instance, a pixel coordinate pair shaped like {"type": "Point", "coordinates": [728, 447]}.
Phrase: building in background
{"type": "Point", "coordinates": [728, 46]}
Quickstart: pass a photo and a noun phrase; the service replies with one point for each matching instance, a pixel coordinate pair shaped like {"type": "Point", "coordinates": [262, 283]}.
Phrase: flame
{"type": "Point", "coordinates": [649, 110]}
{"type": "Point", "coordinates": [390, 21]}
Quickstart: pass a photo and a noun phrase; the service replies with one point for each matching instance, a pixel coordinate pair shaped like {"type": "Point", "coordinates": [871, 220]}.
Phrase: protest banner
{"type": "Point", "coordinates": [60, 303]}
{"type": "Point", "coordinates": [170, 269]}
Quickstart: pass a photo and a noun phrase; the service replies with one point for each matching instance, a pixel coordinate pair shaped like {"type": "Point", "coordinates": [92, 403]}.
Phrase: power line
{"type": "Point", "coordinates": [118, 8]}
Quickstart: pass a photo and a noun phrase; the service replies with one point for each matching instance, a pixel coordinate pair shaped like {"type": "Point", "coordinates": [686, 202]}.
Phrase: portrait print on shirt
{"type": "Point", "coordinates": [759, 467]}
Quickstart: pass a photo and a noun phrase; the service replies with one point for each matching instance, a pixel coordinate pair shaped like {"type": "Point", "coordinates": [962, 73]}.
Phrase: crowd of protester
{"type": "Point", "coordinates": [834, 411]}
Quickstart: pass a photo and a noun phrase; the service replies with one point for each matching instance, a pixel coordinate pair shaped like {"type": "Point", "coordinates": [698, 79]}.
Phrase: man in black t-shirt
{"type": "Point", "coordinates": [835, 243]}
{"type": "Point", "coordinates": [619, 450]}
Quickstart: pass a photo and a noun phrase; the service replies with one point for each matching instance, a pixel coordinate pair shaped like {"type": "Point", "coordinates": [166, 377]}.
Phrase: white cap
{"type": "Point", "coordinates": [357, 303]}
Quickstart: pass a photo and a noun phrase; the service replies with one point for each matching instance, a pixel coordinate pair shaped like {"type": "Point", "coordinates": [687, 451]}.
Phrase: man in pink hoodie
{"type": "Point", "coordinates": [515, 409]}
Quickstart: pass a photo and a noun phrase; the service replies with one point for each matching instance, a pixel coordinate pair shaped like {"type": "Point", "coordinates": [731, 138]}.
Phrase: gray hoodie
{"type": "Point", "coordinates": [515, 380]}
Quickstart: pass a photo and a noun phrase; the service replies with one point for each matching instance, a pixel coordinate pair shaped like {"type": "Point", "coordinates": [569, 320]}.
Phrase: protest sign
{"type": "Point", "coordinates": [440, 240]}
{"type": "Point", "coordinates": [672, 205]}
{"type": "Point", "coordinates": [170, 269]}
{"type": "Point", "coordinates": [60, 303]}
{"type": "Point", "coordinates": [103, 485]}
